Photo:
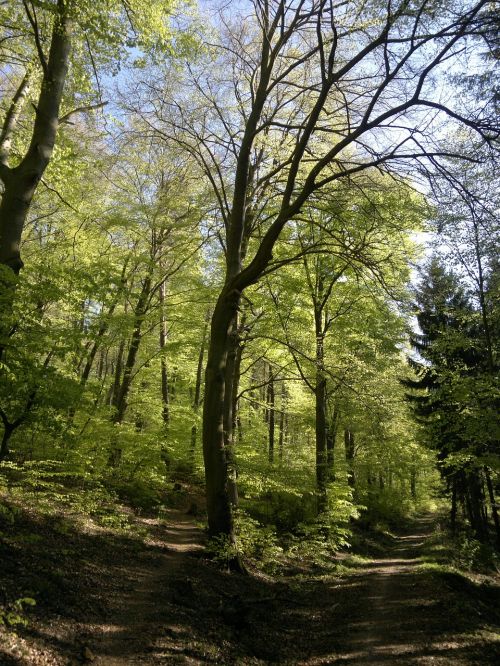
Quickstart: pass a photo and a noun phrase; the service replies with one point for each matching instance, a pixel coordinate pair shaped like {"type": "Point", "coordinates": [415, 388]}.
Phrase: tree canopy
{"type": "Point", "coordinates": [211, 224]}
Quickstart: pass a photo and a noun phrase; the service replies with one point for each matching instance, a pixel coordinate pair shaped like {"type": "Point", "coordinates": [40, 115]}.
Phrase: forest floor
{"type": "Point", "coordinates": [148, 595]}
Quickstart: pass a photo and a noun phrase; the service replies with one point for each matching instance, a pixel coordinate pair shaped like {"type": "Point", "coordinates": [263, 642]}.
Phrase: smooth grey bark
{"type": "Point", "coordinates": [20, 182]}
{"type": "Point", "coordinates": [11, 117]}
{"type": "Point", "coordinates": [219, 505]}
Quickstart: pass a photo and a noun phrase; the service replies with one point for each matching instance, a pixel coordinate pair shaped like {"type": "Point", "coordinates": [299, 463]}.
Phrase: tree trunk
{"type": "Point", "coordinates": [331, 439]}
{"type": "Point", "coordinates": [230, 392]}
{"type": "Point", "coordinates": [11, 426]}
{"type": "Point", "coordinates": [271, 415]}
{"type": "Point", "coordinates": [240, 346]}
{"type": "Point", "coordinates": [321, 443]}
{"type": "Point", "coordinates": [453, 511]}
{"type": "Point", "coordinates": [126, 382]}
{"type": "Point", "coordinates": [96, 346]}
{"type": "Point", "coordinates": [320, 403]}
{"type": "Point", "coordinates": [476, 515]}
{"type": "Point", "coordinates": [8, 429]}
{"type": "Point", "coordinates": [349, 455]}
{"type": "Point", "coordinates": [219, 508]}
{"type": "Point", "coordinates": [20, 182]}
{"type": "Point", "coordinates": [197, 387]}
{"type": "Point", "coordinates": [165, 397]}
{"type": "Point", "coordinates": [120, 401]}
{"type": "Point", "coordinates": [115, 387]}
{"type": "Point", "coordinates": [264, 394]}
{"type": "Point", "coordinates": [282, 421]}
{"type": "Point", "coordinates": [494, 510]}
{"type": "Point", "coordinates": [413, 483]}
{"type": "Point", "coordinates": [12, 116]}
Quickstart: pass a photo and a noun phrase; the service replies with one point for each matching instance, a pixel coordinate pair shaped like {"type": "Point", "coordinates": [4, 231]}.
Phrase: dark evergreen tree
{"type": "Point", "coordinates": [451, 393]}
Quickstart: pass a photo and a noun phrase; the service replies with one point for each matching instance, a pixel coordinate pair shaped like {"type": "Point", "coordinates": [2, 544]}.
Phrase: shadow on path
{"type": "Point", "coordinates": [401, 618]}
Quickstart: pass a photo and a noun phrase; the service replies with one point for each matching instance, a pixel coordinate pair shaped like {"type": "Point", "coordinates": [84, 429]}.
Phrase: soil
{"type": "Point", "coordinates": [115, 599]}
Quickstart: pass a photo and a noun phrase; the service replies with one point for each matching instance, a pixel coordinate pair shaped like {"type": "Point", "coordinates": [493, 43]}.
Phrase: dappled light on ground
{"type": "Point", "coordinates": [120, 600]}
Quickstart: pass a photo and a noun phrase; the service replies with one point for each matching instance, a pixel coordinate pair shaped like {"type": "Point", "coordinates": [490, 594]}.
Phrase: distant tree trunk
{"type": "Point", "coordinates": [254, 381]}
{"type": "Point", "coordinates": [139, 314]}
{"type": "Point", "coordinates": [117, 374]}
{"type": "Point", "coordinates": [321, 443]}
{"type": "Point", "coordinates": [8, 429]}
{"type": "Point", "coordinates": [271, 414]}
{"type": "Point", "coordinates": [102, 330]}
{"type": "Point", "coordinates": [165, 398]}
{"type": "Point", "coordinates": [121, 397]}
{"type": "Point", "coordinates": [349, 454]}
{"type": "Point", "coordinates": [453, 512]}
{"type": "Point", "coordinates": [320, 395]}
{"type": "Point", "coordinates": [474, 497]}
{"type": "Point", "coordinates": [199, 378]}
{"type": "Point", "coordinates": [102, 366]}
{"type": "Point", "coordinates": [240, 346]}
{"type": "Point", "coordinates": [413, 483]}
{"type": "Point", "coordinates": [494, 510]}
{"type": "Point", "coordinates": [282, 421]}
{"type": "Point", "coordinates": [264, 393]}
{"type": "Point", "coordinates": [11, 426]}
{"type": "Point", "coordinates": [331, 439]}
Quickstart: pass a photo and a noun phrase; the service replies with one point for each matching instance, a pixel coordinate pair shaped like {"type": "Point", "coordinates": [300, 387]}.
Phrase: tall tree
{"type": "Point", "coordinates": [399, 47]}
{"type": "Point", "coordinates": [449, 391]}
{"type": "Point", "coordinates": [71, 24]}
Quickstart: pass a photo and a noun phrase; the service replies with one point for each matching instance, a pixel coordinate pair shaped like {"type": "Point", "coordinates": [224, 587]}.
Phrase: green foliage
{"type": "Point", "coordinates": [125, 246]}
{"type": "Point", "coordinates": [257, 542]}
{"type": "Point", "coordinates": [454, 393]}
{"type": "Point", "coordinates": [469, 554]}
{"type": "Point", "coordinates": [390, 506]}
{"type": "Point", "coordinates": [65, 493]}
{"type": "Point", "coordinates": [13, 615]}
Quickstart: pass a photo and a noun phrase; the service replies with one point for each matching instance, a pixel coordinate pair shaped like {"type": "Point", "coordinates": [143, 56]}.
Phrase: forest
{"type": "Point", "coordinates": [249, 332]}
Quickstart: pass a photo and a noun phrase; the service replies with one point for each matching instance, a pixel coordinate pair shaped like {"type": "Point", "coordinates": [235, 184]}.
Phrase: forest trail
{"type": "Point", "coordinates": [111, 600]}
{"type": "Point", "coordinates": [171, 609]}
{"type": "Point", "coordinates": [156, 579]}
{"type": "Point", "coordinates": [391, 625]}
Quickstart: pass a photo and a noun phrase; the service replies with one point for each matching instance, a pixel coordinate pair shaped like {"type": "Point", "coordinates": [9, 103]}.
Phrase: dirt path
{"type": "Point", "coordinates": [388, 625]}
{"type": "Point", "coordinates": [140, 608]}
{"type": "Point", "coordinates": [113, 600]}
{"type": "Point", "coordinates": [405, 617]}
